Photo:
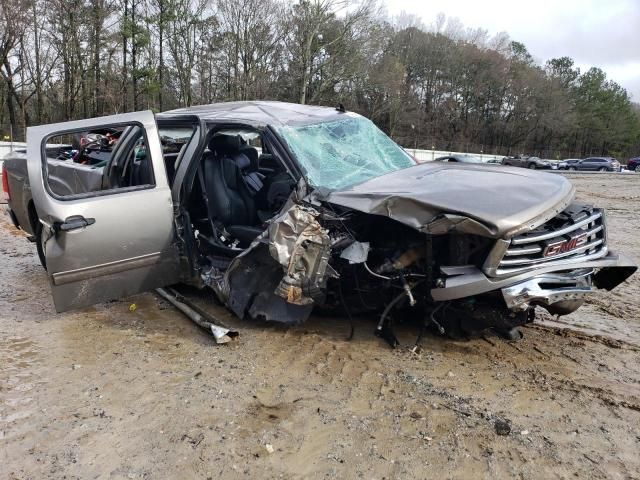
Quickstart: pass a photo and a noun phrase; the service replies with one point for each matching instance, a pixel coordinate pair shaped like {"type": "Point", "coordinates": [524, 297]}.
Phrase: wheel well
{"type": "Point", "coordinates": [33, 216]}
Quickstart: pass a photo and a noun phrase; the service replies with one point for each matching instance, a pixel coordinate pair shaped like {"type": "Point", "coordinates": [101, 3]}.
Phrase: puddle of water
{"type": "Point", "coordinates": [18, 356]}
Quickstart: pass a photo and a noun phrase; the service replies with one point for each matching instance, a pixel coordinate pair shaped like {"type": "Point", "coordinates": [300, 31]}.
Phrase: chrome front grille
{"type": "Point", "coordinates": [577, 234]}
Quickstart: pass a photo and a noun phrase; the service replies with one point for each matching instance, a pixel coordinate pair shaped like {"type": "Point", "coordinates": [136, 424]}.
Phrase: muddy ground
{"type": "Point", "coordinates": [112, 393]}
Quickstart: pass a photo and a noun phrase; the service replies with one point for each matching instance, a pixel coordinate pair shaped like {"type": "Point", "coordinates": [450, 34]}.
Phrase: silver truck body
{"type": "Point", "coordinates": [488, 242]}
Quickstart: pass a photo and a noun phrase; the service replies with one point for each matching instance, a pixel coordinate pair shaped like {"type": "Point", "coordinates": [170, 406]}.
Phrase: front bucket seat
{"type": "Point", "coordinates": [229, 200]}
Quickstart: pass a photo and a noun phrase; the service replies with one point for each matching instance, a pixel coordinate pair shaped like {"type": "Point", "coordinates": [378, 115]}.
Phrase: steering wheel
{"type": "Point", "coordinates": [85, 147]}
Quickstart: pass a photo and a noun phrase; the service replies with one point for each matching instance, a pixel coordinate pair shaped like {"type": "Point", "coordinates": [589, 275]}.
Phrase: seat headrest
{"type": "Point", "coordinates": [223, 144]}
{"type": "Point", "coordinates": [252, 154]}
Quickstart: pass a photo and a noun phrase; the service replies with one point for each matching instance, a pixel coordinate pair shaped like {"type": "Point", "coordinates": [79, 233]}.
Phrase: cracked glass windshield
{"type": "Point", "coordinates": [344, 152]}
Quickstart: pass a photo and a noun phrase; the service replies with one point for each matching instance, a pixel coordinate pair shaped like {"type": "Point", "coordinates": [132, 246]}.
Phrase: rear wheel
{"type": "Point", "coordinates": [532, 166]}
{"type": "Point", "coordinates": [638, 168]}
{"type": "Point", "coordinates": [573, 169]}
{"type": "Point", "coordinates": [40, 246]}
{"type": "Point", "coordinates": [602, 169]}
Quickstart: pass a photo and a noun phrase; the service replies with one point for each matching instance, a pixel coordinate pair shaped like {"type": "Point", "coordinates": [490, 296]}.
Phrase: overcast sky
{"type": "Point", "coordinates": [600, 33]}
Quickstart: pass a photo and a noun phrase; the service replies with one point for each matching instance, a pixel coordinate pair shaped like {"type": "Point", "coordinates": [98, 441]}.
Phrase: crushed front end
{"type": "Point", "coordinates": [337, 259]}
{"type": "Point", "coordinates": [555, 265]}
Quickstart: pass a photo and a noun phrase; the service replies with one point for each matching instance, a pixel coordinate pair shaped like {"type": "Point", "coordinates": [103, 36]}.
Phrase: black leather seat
{"type": "Point", "coordinates": [230, 201]}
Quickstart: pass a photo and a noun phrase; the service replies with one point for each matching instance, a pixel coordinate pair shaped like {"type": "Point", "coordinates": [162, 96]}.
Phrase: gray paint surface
{"type": "Point", "coordinates": [501, 199]}
{"type": "Point", "coordinates": [129, 226]}
{"type": "Point", "coordinates": [258, 113]}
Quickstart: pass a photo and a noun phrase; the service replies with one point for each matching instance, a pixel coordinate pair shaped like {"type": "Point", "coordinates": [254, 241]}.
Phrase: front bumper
{"type": "Point", "coordinates": [605, 272]}
{"type": "Point", "coordinates": [549, 289]}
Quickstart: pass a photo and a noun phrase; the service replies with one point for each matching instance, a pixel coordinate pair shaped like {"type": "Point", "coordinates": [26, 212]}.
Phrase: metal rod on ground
{"type": "Point", "coordinates": [221, 334]}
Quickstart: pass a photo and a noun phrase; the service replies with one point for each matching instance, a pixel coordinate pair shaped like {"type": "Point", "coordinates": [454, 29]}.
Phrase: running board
{"type": "Point", "coordinates": [194, 313]}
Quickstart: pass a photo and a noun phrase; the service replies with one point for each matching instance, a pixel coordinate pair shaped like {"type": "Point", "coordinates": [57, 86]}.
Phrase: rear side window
{"type": "Point", "coordinates": [99, 161]}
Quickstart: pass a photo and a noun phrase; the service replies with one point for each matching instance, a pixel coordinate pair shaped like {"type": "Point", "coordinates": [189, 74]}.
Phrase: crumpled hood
{"type": "Point", "coordinates": [434, 197]}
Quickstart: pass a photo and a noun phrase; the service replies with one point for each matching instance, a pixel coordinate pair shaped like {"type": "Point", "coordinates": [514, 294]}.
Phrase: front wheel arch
{"type": "Point", "coordinates": [34, 220]}
{"type": "Point", "coordinates": [40, 245]}
{"type": "Point", "coordinates": [36, 228]}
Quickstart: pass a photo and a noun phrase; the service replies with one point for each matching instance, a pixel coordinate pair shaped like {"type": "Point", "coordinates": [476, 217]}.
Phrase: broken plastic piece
{"type": "Point", "coordinates": [357, 252]}
{"type": "Point", "coordinates": [220, 334]}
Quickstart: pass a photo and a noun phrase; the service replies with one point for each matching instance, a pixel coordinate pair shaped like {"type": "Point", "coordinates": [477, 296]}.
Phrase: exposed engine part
{"type": "Point", "coordinates": [383, 277]}
{"type": "Point", "coordinates": [406, 259]}
{"type": "Point", "coordinates": [340, 241]}
{"type": "Point", "coordinates": [383, 329]}
{"type": "Point", "coordinates": [385, 312]}
{"type": "Point", "coordinates": [432, 319]}
{"type": "Point", "coordinates": [300, 244]}
{"type": "Point", "coordinates": [407, 290]}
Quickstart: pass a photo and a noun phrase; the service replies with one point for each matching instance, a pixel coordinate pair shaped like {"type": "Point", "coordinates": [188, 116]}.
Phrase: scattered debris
{"type": "Point", "coordinates": [503, 427]}
{"type": "Point", "coordinates": [194, 441]}
{"type": "Point", "coordinates": [269, 448]}
{"type": "Point", "coordinates": [201, 318]}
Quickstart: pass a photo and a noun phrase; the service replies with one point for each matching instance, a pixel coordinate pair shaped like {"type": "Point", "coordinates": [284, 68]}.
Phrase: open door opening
{"type": "Point", "coordinates": [239, 185]}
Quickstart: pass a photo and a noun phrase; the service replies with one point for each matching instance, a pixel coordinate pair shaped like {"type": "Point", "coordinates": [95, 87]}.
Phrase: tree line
{"type": "Point", "coordinates": [440, 85]}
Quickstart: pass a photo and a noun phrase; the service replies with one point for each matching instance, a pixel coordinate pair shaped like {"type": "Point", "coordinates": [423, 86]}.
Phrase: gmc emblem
{"type": "Point", "coordinates": [565, 246]}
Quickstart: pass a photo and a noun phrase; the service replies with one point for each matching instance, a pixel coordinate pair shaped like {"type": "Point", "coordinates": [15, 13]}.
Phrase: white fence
{"type": "Point", "coordinates": [8, 147]}
{"type": "Point", "coordinates": [430, 155]}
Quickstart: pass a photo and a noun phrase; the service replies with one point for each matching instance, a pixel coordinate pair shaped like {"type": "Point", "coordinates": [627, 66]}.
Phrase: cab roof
{"type": "Point", "coordinates": [258, 113]}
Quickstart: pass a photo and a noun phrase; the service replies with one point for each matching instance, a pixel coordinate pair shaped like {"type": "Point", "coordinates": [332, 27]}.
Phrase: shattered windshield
{"type": "Point", "coordinates": [344, 152]}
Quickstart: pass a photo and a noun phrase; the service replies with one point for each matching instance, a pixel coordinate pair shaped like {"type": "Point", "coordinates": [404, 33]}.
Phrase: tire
{"type": "Point", "coordinates": [532, 166]}
{"type": "Point", "coordinates": [40, 246]}
{"type": "Point", "coordinates": [603, 169]}
{"type": "Point", "coordinates": [573, 169]}
{"type": "Point", "coordinates": [637, 169]}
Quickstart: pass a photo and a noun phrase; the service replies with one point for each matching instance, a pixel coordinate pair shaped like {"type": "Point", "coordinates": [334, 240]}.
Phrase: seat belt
{"type": "Point", "coordinates": [206, 199]}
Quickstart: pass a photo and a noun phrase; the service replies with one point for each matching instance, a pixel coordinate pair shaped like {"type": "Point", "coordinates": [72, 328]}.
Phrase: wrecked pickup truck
{"type": "Point", "coordinates": [282, 208]}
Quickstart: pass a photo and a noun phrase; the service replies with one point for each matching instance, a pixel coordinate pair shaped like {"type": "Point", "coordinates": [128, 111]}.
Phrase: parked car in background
{"type": "Point", "coordinates": [568, 163]}
{"type": "Point", "coordinates": [634, 164]}
{"type": "Point", "coordinates": [533, 163]}
{"type": "Point", "coordinates": [597, 164]}
{"type": "Point", "coordinates": [461, 158]}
